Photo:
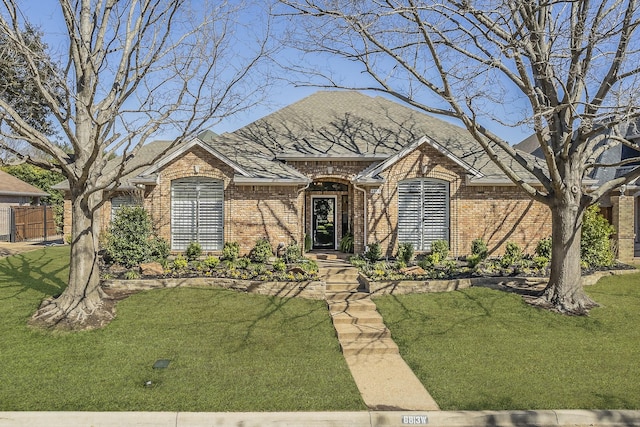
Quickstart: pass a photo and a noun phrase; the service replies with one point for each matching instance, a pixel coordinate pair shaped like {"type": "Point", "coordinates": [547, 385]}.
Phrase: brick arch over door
{"type": "Point", "coordinates": [423, 212]}
{"type": "Point", "coordinates": [197, 207]}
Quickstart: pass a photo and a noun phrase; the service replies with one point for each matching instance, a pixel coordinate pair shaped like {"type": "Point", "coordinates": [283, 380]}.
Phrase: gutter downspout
{"type": "Point", "coordinates": [364, 195]}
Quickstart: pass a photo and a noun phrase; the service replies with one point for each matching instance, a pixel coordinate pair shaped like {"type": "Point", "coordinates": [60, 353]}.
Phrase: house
{"type": "Point", "coordinates": [15, 192]}
{"type": "Point", "coordinates": [621, 207]}
{"type": "Point", "coordinates": [333, 163]}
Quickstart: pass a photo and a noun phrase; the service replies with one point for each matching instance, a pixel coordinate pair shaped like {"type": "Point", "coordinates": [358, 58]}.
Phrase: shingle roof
{"type": "Point", "coordinates": [351, 124]}
{"type": "Point", "coordinates": [337, 125]}
{"type": "Point", "coordinates": [12, 186]}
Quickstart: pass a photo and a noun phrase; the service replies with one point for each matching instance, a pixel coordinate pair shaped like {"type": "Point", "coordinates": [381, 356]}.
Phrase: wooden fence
{"type": "Point", "coordinates": [27, 223]}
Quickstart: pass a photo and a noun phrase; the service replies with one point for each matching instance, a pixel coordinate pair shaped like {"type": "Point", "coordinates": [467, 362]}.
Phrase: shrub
{"type": "Point", "coordinates": [512, 255]}
{"type": "Point", "coordinates": [473, 260]}
{"type": "Point", "coordinates": [595, 248]}
{"type": "Point", "coordinates": [279, 265]}
{"type": "Point", "coordinates": [543, 248]}
{"type": "Point", "coordinates": [374, 252]}
{"type": "Point", "coordinates": [440, 247]}
{"type": "Point", "coordinates": [243, 262]}
{"type": "Point", "coordinates": [230, 251]}
{"type": "Point", "coordinates": [346, 243]}
{"type": "Point", "coordinates": [405, 252]}
{"type": "Point", "coordinates": [540, 262]}
{"type": "Point", "coordinates": [430, 260]}
{"type": "Point", "coordinates": [292, 253]}
{"type": "Point", "coordinates": [180, 263]}
{"type": "Point", "coordinates": [479, 248]}
{"type": "Point", "coordinates": [131, 275]}
{"type": "Point", "coordinates": [211, 262]}
{"type": "Point", "coordinates": [262, 251]}
{"type": "Point", "coordinates": [193, 251]}
{"type": "Point", "coordinates": [129, 240]}
{"type": "Point", "coordinates": [159, 249]}
{"type": "Point", "coordinates": [309, 266]}
{"type": "Point", "coordinates": [357, 261]}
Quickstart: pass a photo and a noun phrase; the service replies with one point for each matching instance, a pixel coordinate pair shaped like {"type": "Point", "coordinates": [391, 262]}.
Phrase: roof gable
{"type": "Point", "coordinates": [183, 148]}
{"type": "Point", "coordinates": [375, 170]}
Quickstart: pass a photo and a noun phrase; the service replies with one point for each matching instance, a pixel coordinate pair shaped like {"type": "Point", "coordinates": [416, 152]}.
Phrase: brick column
{"type": "Point", "coordinates": [622, 218]}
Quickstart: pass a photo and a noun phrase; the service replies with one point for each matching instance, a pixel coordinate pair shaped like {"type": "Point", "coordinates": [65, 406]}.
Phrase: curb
{"type": "Point", "coordinates": [564, 418]}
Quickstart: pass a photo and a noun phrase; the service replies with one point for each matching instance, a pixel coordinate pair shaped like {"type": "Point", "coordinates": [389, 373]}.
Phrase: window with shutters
{"type": "Point", "coordinates": [197, 206]}
{"type": "Point", "coordinates": [423, 212]}
{"type": "Point", "coordinates": [123, 200]}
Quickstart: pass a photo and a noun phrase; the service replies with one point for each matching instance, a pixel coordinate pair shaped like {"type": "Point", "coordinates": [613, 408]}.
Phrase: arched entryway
{"type": "Point", "coordinates": [329, 213]}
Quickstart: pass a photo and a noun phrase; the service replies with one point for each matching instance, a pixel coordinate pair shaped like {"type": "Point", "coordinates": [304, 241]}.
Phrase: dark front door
{"type": "Point", "coordinates": [324, 222]}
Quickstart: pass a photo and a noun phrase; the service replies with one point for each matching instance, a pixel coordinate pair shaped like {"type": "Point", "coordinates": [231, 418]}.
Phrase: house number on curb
{"type": "Point", "coordinates": [415, 419]}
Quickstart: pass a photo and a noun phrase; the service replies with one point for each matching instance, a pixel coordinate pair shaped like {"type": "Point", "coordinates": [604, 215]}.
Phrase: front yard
{"type": "Point", "coordinates": [482, 349]}
{"type": "Point", "coordinates": [228, 351]}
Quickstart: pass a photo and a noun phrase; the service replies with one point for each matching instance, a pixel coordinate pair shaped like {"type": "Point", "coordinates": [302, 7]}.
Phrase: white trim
{"type": "Point", "coordinates": [184, 148]}
{"type": "Point", "coordinates": [335, 218]}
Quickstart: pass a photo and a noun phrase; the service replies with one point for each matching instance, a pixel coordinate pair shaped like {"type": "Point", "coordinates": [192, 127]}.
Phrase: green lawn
{"type": "Point", "coordinates": [483, 349]}
{"type": "Point", "coordinates": [228, 351]}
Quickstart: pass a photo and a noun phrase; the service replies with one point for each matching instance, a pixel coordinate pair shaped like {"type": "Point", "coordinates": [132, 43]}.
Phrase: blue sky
{"type": "Point", "coordinates": [46, 15]}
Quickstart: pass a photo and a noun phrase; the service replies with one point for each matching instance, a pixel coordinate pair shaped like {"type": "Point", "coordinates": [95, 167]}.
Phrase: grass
{"type": "Point", "coordinates": [228, 351]}
{"type": "Point", "coordinates": [482, 349]}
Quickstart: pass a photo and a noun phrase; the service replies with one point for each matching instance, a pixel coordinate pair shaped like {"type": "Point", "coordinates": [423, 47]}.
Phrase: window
{"type": "Point", "coordinates": [123, 200]}
{"type": "Point", "coordinates": [197, 213]}
{"type": "Point", "coordinates": [423, 212]}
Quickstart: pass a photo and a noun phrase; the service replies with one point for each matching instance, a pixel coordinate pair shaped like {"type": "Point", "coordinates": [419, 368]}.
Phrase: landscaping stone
{"type": "Point", "coordinates": [151, 269]}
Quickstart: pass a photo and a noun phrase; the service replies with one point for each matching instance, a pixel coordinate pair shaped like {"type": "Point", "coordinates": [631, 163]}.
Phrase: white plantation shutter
{"type": "Point", "coordinates": [197, 213]}
{"type": "Point", "coordinates": [423, 212]}
{"type": "Point", "coordinates": [122, 200]}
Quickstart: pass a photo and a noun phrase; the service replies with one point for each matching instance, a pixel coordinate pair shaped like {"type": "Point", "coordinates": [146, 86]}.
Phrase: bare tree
{"type": "Point", "coordinates": [568, 69]}
{"type": "Point", "coordinates": [129, 71]}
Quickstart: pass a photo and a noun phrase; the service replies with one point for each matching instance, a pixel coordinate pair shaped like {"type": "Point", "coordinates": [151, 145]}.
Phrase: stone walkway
{"type": "Point", "coordinates": [382, 376]}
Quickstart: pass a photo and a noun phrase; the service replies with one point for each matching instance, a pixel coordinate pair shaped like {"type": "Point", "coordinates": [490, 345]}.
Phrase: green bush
{"type": "Point", "coordinates": [230, 251]}
{"type": "Point", "coordinates": [473, 260]}
{"type": "Point", "coordinates": [159, 249]}
{"type": "Point", "coordinates": [243, 262]}
{"type": "Point", "coordinates": [193, 251]}
{"type": "Point", "coordinates": [374, 252]}
{"type": "Point", "coordinates": [440, 247]}
{"type": "Point", "coordinates": [211, 262]}
{"type": "Point", "coordinates": [262, 250]}
{"type": "Point", "coordinates": [540, 262]}
{"type": "Point", "coordinates": [180, 263]}
{"type": "Point", "coordinates": [346, 243]}
{"type": "Point", "coordinates": [358, 261]}
{"type": "Point", "coordinates": [292, 253]}
{"type": "Point", "coordinates": [595, 249]}
{"type": "Point", "coordinates": [479, 248]}
{"type": "Point", "coordinates": [405, 252]}
{"type": "Point", "coordinates": [130, 241]}
{"type": "Point", "coordinates": [279, 265]}
{"type": "Point", "coordinates": [543, 248]}
{"type": "Point", "coordinates": [131, 275]}
{"type": "Point", "coordinates": [512, 255]}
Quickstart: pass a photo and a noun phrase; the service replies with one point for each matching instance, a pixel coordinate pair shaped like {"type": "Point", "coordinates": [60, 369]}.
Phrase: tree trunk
{"type": "Point", "coordinates": [564, 291]}
{"type": "Point", "coordinates": [80, 306]}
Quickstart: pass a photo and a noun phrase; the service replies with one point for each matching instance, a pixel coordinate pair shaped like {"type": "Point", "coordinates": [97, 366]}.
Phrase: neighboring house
{"type": "Point", "coordinates": [620, 207]}
{"type": "Point", "coordinates": [331, 164]}
{"type": "Point", "coordinates": [15, 192]}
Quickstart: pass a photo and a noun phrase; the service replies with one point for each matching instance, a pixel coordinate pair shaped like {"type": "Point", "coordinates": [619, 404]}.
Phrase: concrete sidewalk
{"type": "Point", "coordinates": [560, 418]}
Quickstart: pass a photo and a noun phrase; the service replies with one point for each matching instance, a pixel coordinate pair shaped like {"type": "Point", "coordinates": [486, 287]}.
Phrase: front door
{"type": "Point", "coordinates": [324, 221]}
